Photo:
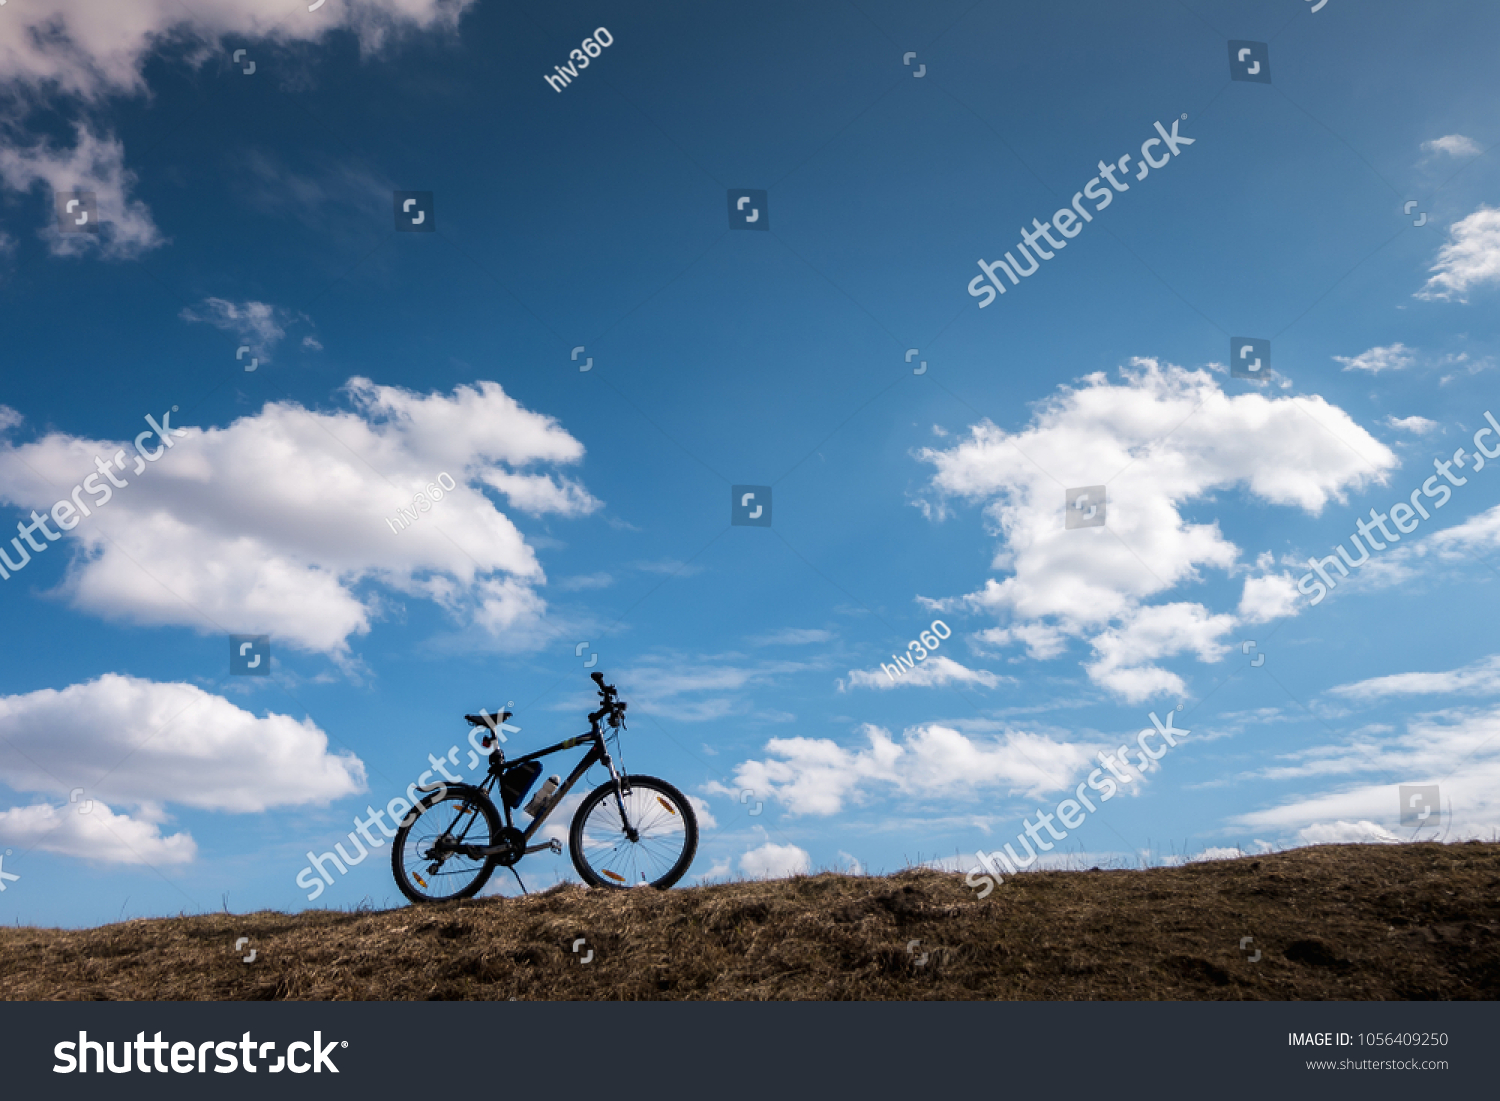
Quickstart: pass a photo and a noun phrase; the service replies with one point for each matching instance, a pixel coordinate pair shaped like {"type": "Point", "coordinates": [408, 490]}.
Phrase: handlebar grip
{"type": "Point", "coordinates": [598, 678]}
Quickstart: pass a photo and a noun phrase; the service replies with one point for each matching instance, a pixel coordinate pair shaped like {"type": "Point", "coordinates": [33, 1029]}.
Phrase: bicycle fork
{"type": "Point", "coordinates": [631, 833]}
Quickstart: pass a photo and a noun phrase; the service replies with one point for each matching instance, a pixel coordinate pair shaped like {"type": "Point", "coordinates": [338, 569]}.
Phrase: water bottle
{"type": "Point", "coordinates": [543, 797]}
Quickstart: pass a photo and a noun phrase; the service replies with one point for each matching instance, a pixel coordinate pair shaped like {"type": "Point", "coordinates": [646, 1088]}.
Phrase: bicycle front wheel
{"type": "Point", "coordinates": [423, 859]}
{"type": "Point", "coordinates": [651, 846]}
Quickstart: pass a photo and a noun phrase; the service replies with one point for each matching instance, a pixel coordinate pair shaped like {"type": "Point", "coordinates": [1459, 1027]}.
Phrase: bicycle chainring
{"type": "Point", "coordinates": [513, 837]}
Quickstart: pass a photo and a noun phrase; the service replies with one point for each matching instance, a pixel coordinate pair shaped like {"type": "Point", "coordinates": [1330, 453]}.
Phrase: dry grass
{"type": "Point", "coordinates": [1346, 921]}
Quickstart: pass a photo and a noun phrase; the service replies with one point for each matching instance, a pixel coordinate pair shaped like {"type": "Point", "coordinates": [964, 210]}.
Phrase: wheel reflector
{"type": "Point", "coordinates": [612, 875]}
{"type": "Point", "coordinates": [668, 805]}
{"type": "Point", "coordinates": [420, 881]}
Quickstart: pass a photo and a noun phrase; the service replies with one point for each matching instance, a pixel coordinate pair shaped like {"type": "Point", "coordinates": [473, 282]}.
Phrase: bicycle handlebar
{"type": "Point", "coordinates": [612, 705]}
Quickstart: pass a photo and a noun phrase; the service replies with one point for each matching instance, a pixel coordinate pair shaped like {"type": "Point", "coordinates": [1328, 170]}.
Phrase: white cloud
{"type": "Point", "coordinates": [1465, 545]}
{"type": "Point", "coordinates": [1346, 833]}
{"type": "Point", "coordinates": [99, 835]}
{"type": "Point", "coordinates": [73, 54]}
{"type": "Point", "coordinates": [137, 742]}
{"type": "Point", "coordinates": [717, 870]}
{"type": "Point", "coordinates": [1162, 439]}
{"type": "Point", "coordinates": [1482, 678]}
{"type": "Point", "coordinates": [1398, 357]}
{"type": "Point", "coordinates": [1125, 654]}
{"type": "Point", "coordinates": [90, 50]}
{"type": "Point", "coordinates": [257, 324]}
{"type": "Point", "coordinates": [1458, 749]}
{"type": "Point", "coordinates": [146, 745]}
{"type": "Point", "coordinates": [1454, 145]}
{"type": "Point", "coordinates": [705, 814]}
{"type": "Point", "coordinates": [1421, 426]}
{"type": "Point", "coordinates": [935, 672]}
{"type": "Point", "coordinates": [1478, 533]}
{"type": "Point", "coordinates": [1041, 641]}
{"type": "Point", "coordinates": [271, 524]}
{"type": "Point", "coordinates": [1266, 598]}
{"type": "Point", "coordinates": [1392, 357]}
{"type": "Point", "coordinates": [1470, 258]}
{"type": "Point", "coordinates": [771, 861]}
{"type": "Point", "coordinates": [95, 163]}
{"type": "Point", "coordinates": [539, 494]}
{"type": "Point", "coordinates": [817, 776]}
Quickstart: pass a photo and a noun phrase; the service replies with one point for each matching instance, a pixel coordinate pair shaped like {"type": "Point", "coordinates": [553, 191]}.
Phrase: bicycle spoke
{"type": "Point", "coordinates": [660, 829]}
{"type": "Point", "coordinates": [447, 874]}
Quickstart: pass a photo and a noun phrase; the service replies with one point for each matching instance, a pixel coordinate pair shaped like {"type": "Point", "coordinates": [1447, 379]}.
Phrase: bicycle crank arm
{"type": "Point", "coordinates": [479, 851]}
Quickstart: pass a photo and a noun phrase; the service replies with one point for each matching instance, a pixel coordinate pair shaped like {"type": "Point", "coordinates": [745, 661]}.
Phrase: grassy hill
{"type": "Point", "coordinates": [1338, 921]}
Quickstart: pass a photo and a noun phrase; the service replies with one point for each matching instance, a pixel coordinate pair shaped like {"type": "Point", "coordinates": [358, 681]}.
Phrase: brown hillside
{"type": "Point", "coordinates": [1346, 921]}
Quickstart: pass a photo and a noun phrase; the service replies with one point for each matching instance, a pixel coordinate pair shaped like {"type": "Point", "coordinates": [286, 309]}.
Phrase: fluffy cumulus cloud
{"type": "Point", "coordinates": [1160, 439]}
{"type": "Point", "coordinates": [1420, 426]}
{"type": "Point", "coordinates": [279, 522]}
{"type": "Point", "coordinates": [1453, 145]}
{"type": "Point", "coordinates": [128, 742]}
{"type": "Point", "coordinates": [99, 835]}
{"type": "Point", "coordinates": [772, 861]}
{"type": "Point", "coordinates": [73, 54]}
{"type": "Point", "coordinates": [1469, 259]}
{"type": "Point", "coordinates": [1357, 780]}
{"type": "Point", "coordinates": [817, 776]}
{"type": "Point", "coordinates": [1125, 655]}
{"type": "Point", "coordinates": [1266, 598]}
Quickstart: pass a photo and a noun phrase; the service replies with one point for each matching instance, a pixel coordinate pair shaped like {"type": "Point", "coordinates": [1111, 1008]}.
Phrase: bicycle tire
{"type": "Point", "coordinates": [607, 828]}
{"type": "Point", "coordinates": [468, 796]}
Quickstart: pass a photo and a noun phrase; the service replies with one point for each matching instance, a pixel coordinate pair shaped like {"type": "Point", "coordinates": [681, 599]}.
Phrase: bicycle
{"type": "Point", "coordinates": [631, 831]}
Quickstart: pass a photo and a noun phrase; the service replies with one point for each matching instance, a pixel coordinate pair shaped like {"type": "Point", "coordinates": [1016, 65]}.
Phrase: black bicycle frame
{"type": "Point", "coordinates": [597, 753]}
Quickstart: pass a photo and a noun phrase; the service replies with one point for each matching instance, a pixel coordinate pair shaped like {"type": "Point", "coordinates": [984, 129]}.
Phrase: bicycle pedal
{"type": "Point", "coordinates": [556, 847]}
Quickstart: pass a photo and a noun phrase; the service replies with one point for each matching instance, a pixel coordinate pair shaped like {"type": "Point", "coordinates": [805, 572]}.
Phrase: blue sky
{"type": "Point", "coordinates": [254, 210]}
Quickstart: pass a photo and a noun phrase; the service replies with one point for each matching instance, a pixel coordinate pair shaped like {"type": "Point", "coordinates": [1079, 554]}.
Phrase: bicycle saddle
{"type": "Point", "coordinates": [491, 721]}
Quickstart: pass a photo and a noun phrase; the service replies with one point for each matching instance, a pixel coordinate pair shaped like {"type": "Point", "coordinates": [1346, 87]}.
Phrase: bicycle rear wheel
{"type": "Point", "coordinates": [422, 860]}
{"type": "Point", "coordinates": [655, 849]}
